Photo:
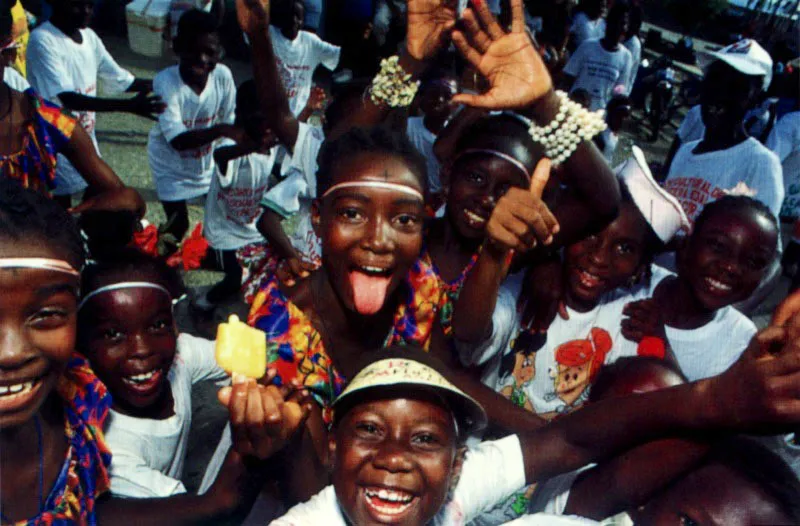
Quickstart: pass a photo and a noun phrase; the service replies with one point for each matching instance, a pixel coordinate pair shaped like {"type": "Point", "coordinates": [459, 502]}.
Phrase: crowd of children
{"type": "Point", "coordinates": [471, 315]}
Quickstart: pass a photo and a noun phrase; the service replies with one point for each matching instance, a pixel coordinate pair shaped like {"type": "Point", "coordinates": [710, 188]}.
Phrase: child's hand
{"type": "Point", "coordinates": [787, 310]}
{"type": "Point", "coordinates": [147, 105]}
{"type": "Point", "coordinates": [263, 418]}
{"type": "Point", "coordinates": [253, 15]}
{"type": "Point", "coordinates": [521, 219]}
{"type": "Point", "coordinates": [429, 25]}
{"type": "Point", "coordinates": [317, 99]}
{"type": "Point", "coordinates": [543, 293]}
{"type": "Point", "coordinates": [293, 269]}
{"type": "Point", "coordinates": [644, 319]}
{"type": "Point", "coordinates": [509, 61]}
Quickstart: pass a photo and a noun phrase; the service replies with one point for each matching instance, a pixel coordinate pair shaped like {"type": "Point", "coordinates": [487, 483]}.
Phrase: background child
{"type": "Point", "coordinates": [201, 97]}
{"type": "Point", "coordinates": [298, 53]}
{"type": "Point", "coordinates": [617, 112]}
{"type": "Point", "coordinates": [233, 207]}
{"type": "Point", "coordinates": [732, 246]}
{"type": "Point", "coordinates": [66, 59]}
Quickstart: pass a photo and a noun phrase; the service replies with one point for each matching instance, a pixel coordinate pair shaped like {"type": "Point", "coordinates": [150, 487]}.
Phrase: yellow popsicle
{"type": "Point", "coordinates": [241, 349]}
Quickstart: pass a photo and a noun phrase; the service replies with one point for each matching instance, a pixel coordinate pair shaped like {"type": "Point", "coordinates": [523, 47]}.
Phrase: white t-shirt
{"type": "Point", "coordinates": [58, 64]}
{"type": "Point", "coordinates": [599, 71]}
{"type": "Point", "coordinates": [178, 7]}
{"type": "Point", "coordinates": [184, 175]}
{"type": "Point", "coordinates": [692, 127]}
{"type": "Point", "coordinates": [234, 199]}
{"type": "Point", "coordinates": [14, 80]}
{"type": "Point", "coordinates": [584, 29]}
{"type": "Point", "coordinates": [292, 197]}
{"type": "Point", "coordinates": [784, 140]}
{"type": "Point", "coordinates": [297, 60]}
{"type": "Point", "coordinates": [696, 179]}
{"type": "Point", "coordinates": [423, 139]}
{"type": "Point", "coordinates": [634, 45]}
{"type": "Point", "coordinates": [148, 455]}
{"type": "Point", "coordinates": [492, 471]}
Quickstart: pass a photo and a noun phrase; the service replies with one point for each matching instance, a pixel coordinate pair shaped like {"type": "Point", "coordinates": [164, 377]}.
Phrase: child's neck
{"type": "Point", "coordinates": [450, 252]}
{"type": "Point", "coordinates": [196, 85]}
{"type": "Point", "coordinates": [162, 409]}
{"type": "Point", "coordinates": [719, 140]}
{"type": "Point", "coordinates": [65, 27]}
{"type": "Point", "coordinates": [347, 335]}
{"type": "Point", "coordinates": [680, 306]}
{"type": "Point", "coordinates": [609, 45]}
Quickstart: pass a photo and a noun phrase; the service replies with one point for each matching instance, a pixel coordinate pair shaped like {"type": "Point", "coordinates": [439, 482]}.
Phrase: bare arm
{"type": "Point", "coordinates": [189, 140]}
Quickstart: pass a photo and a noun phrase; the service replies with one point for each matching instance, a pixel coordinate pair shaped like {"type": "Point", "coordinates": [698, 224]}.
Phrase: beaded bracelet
{"type": "Point", "coordinates": [392, 86]}
{"type": "Point", "coordinates": [572, 125]}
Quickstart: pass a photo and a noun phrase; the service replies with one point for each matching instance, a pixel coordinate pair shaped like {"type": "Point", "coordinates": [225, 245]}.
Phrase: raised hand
{"type": "Point", "coordinates": [147, 105]}
{"type": "Point", "coordinates": [429, 25]}
{"type": "Point", "coordinates": [521, 220]}
{"type": "Point", "coordinates": [645, 318]}
{"type": "Point", "coordinates": [509, 61]}
{"type": "Point", "coordinates": [253, 15]}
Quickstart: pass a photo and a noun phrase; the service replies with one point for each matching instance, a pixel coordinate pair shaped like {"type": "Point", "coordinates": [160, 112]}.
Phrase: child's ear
{"type": "Point", "coordinates": [458, 464]}
{"type": "Point", "coordinates": [316, 217]}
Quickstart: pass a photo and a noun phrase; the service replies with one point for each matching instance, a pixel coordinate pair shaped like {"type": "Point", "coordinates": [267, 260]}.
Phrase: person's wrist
{"type": "Point", "coordinates": [709, 407]}
{"type": "Point", "coordinates": [412, 65]}
{"type": "Point", "coordinates": [545, 108]}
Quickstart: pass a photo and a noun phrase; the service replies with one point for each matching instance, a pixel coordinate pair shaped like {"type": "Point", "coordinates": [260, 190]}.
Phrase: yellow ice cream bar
{"type": "Point", "coordinates": [241, 349]}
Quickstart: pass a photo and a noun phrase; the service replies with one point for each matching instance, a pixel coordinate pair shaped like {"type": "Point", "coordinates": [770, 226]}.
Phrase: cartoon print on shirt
{"type": "Point", "coordinates": [578, 361]}
{"type": "Point", "coordinates": [521, 366]}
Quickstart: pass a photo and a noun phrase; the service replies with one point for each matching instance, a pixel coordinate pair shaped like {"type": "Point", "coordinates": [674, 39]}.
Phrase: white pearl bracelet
{"type": "Point", "coordinates": [572, 125]}
{"type": "Point", "coordinates": [392, 86]}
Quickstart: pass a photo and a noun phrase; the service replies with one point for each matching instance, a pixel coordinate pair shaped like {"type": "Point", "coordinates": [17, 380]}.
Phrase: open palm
{"type": "Point", "coordinates": [509, 61]}
{"type": "Point", "coordinates": [429, 26]}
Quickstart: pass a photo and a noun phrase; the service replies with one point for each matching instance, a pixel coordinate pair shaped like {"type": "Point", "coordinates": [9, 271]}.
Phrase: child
{"type": "Point", "coordinates": [53, 407]}
{"type": "Point", "coordinates": [233, 206]}
{"type": "Point", "coordinates": [617, 112]}
{"type": "Point", "coordinates": [602, 67]}
{"type": "Point", "coordinates": [200, 95]}
{"type": "Point", "coordinates": [399, 429]}
{"type": "Point", "coordinates": [633, 43]}
{"type": "Point", "coordinates": [704, 170]}
{"type": "Point", "coordinates": [298, 52]}
{"type": "Point", "coordinates": [732, 246]}
{"type": "Point", "coordinates": [434, 102]}
{"type": "Point", "coordinates": [65, 61]}
{"type": "Point", "coordinates": [588, 24]}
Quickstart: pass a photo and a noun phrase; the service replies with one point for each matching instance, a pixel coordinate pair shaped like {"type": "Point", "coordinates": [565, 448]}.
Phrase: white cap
{"type": "Point", "coordinates": [660, 209]}
{"type": "Point", "coordinates": [746, 56]}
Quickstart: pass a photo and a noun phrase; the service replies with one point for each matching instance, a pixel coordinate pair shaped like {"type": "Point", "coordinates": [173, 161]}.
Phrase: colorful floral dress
{"type": "Point", "coordinates": [450, 291]}
{"type": "Point", "coordinates": [84, 475]}
{"type": "Point", "coordinates": [296, 350]}
{"type": "Point", "coordinates": [47, 134]}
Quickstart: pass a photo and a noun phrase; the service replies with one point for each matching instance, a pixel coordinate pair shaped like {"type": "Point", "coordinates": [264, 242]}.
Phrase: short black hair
{"type": "Point", "coordinates": [610, 374]}
{"type": "Point", "coordinates": [192, 25]}
{"type": "Point", "coordinates": [345, 100]}
{"type": "Point", "coordinates": [379, 139]}
{"type": "Point", "coordinates": [501, 132]}
{"type": "Point", "coordinates": [618, 10]}
{"type": "Point", "coordinates": [131, 264]}
{"type": "Point", "coordinates": [755, 462]}
{"type": "Point", "coordinates": [733, 204]}
{"type": "Point", "coordinates": [107, 231]}
{"type": "Point", "coordinates": [27, 215]}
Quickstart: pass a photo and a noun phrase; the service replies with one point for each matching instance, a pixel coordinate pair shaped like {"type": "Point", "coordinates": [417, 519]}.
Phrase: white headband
{"type": "Point", "coordinates": [376, 184]}
{"type": "Point", "coordinates": [500, 155]}
{"type": "Point", "coordinates": [56, 265]}
{"type": "Point", "coordinates": [122, 286]}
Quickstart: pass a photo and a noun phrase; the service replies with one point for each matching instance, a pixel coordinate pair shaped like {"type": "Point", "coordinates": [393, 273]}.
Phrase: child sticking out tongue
{"type": "Point", "coordinates": [369, 291]}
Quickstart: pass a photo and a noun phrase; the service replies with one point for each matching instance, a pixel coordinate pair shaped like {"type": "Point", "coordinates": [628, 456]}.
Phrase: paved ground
{"type": "Point", "coordinates": [123, 141]}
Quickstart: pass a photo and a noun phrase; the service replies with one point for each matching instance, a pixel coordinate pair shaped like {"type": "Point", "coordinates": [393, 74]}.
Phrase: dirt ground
{"type": "Point", "coordinates": [123, 143]}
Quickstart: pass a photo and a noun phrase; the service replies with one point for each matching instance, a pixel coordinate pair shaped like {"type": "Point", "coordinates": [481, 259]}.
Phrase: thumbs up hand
{"type": "Point", "coordinates": [521, 220]}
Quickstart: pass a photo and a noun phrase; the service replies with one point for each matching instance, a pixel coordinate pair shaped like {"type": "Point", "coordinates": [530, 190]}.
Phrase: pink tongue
{"type": "Point", "coordinates": [369, 292]}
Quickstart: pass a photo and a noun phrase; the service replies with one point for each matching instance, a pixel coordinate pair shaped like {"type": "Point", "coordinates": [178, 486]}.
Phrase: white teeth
{"type": "Point", "coordinates": [473, 217]}
{"type": "Point", "coordinates": [16, 389]}
{"type": "Point", "coordinates": [402, 501]}
{"type": "Point", "coordinates": [718, 284]}
{"type": "Point", "coordinates": [391, 496]}
{"type": "Point", "coordinates": [139, 378]}
{"type": "Point", "coordinates": [375, 270]}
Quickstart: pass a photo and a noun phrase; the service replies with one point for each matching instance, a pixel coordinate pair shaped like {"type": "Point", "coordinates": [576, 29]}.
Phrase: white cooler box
{"type": "Point", "coordinates": [147, 21]}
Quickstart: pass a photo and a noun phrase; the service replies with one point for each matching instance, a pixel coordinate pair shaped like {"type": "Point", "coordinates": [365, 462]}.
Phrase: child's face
{"type": "Point", "coordinates": [37, 331]}
{"type": "Point", "coordinates": [199, 57]}
{"type": "Point", "coordinates": [437, 97]}
{"type": "Point", "coordinates": [370, 236]}
{"type": "Point", "coordinates": [78, 13]}
{"type": "Point", "coordinates": [712, 495]}
{"type": "Point", "coordinates": [726, 96]}
{"type": "Point", "coordinates": [478, 182]}
{"type": "Point", "coordinates": [129, 336]}
{"type": "Point", "coordinates": [607, 260]}
{"type": "Point", "coordinates": [394, 461]}
{"type": "Point", "coordinates": [291, 18]}
{"type": "Point", "coordinates": [617, 28]}
{"type": "Point", "coordinates": [727, 257]}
